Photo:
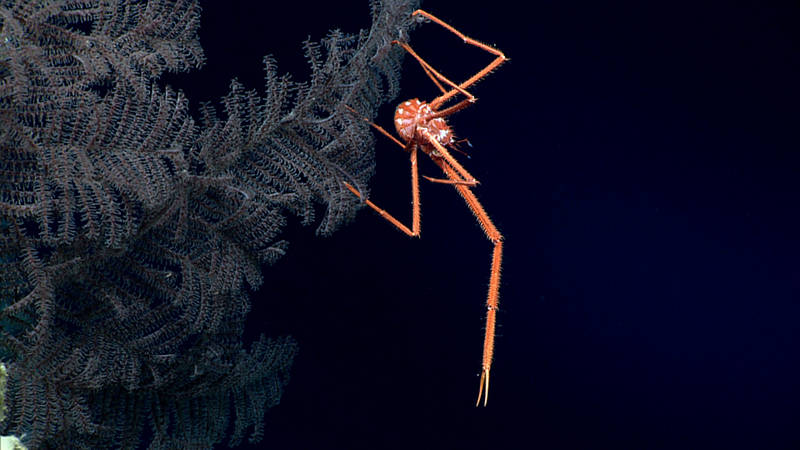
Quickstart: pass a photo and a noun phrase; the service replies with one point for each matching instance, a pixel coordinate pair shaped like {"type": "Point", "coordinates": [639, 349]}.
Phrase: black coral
{"type": "Point", "coordinates": [129, 233]}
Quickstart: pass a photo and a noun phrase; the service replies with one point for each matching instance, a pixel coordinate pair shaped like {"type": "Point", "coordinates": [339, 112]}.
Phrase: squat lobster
{"type": "Point", "coordinates": [422, 126]}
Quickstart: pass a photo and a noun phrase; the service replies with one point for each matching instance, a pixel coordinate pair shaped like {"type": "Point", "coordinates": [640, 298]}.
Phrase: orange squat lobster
{"type": "Point", "coordinates": [422, 126]}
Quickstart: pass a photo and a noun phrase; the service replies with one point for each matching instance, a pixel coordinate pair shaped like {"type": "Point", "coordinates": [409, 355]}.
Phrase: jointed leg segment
{"type": "Point", "coordinates": [415, 205]}
{"type": "Point", "coordinates": [493, 297]}
{"type": "Point", "coordinates": [500, 58]}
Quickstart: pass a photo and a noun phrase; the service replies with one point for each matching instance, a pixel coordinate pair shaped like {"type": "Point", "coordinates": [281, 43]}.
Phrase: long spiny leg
{"type": "Point", "coordinates": [434, 74]}
{"type": "Point", "coordinates": [428, 72]}
{"type": "Point", "coordinates": [493, 297]}
{"type": "Point", "coordinates": [472, 183]}
{"type": "Point", "coordinates": [463, 176]}
{"type": "Point", "coordinates": [415, 203]}
{"type": "Point", "coordinates": [500, 58]}
{"type": "Point", "coordinates": [453, 109]}
{"type": "Point", "coordinates": [381, 129]}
